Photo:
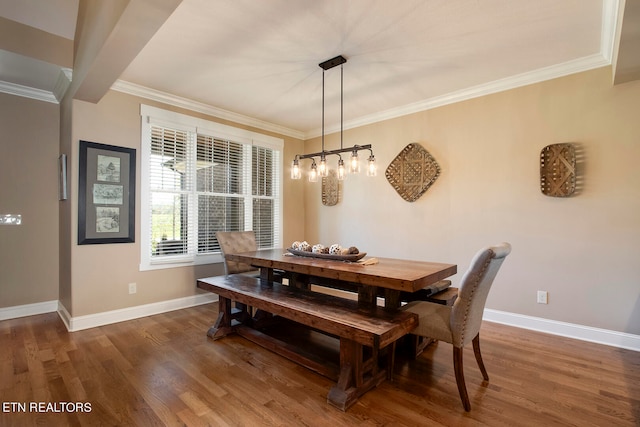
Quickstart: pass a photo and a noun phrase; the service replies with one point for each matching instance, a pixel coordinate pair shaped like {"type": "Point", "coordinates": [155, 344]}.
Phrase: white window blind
{"type": "Point", "coordinates": [201, 179]}
{"type": "Point", "coordinates": [265, 180]}
{"type": "Point", "coordinates": [169, 185]}
{"type": "Point", "coordinates": [220, 183]}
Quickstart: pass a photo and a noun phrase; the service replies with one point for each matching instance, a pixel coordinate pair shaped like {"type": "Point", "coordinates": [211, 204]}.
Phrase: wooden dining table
{"type": "Point", "coordinates": [351, 342]}
{"type": "Point", "coordinates": [388, 277]}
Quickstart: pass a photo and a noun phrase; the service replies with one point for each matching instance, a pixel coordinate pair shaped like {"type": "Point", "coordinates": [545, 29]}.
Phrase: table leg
{"type": "Point", "coordinates": [391, 298]}
{"type": "Point", "coordinates": [266, 274]}
{"type": "Point", "coordinates": [358, 374]}
{"type": "Point", "coordinates": [367, 295]}
{"type": "Point", "coordinates": [300, 281]}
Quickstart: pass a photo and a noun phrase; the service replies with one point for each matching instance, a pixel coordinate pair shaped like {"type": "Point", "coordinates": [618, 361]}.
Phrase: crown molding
{"type": "Point", "coordinates": [53, 96]}
{"type": "Point", "coordinates": [610, 16]}
{"type": "Point", "coordinates": [62, 83]}
{"type": "Point", "coordinates": [27, 92]}
{"type": "Point", "coordinates": [547, 73]}
{"type": "Point", "coordinates": [524, 79]}
{"type": "Point", "coordinates": [610, 13]}
{"type": "Point", "coordinates": [177, 101]}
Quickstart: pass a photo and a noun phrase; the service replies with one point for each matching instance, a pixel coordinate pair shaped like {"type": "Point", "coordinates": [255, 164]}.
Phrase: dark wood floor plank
{"type": "Point", "coordinates": [162, 370]}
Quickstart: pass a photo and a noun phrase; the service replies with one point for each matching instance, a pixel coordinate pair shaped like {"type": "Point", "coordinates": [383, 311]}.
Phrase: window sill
{"type": "Point", "coordinates": [177, 262]}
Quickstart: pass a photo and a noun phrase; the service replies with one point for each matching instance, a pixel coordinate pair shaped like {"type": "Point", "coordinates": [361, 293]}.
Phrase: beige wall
{"type": "Point", "coordinates": [100, 274]}
{"type": "Point", "coordinates": [65, 209]}
{"type": "Point", "coordinates": [29, 187]}
{"type": "Point", "coordinates": [583, 250]}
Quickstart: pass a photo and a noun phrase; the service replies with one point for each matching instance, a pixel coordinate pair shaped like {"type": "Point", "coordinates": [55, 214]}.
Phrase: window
{"type": "Point", "coordinates": [200, 177]}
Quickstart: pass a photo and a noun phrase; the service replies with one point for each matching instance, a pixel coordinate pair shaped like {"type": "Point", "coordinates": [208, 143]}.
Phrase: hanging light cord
{"type": "Point", "coordinates": [333, 62]}
{"type": "Point", "coordinates": [341, 103]}
{"type": "Point", "coordinates": [322, 111]}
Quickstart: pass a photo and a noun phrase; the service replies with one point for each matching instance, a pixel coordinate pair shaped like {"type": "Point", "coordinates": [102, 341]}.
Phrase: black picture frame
{"type": "Point", "coordinates": [106, 194]}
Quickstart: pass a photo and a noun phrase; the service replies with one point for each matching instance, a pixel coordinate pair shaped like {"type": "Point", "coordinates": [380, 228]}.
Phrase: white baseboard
{"type": "Point", "coordinates": [28, 310]}
{"type": "Point", "coordinates": [553, 327]}
{"type": "Point", "coordinates": [64, 315]}
{"type": "Point", "coordinates": [569, 330]}
{"type": "Point", "coordinates": [114, 316]}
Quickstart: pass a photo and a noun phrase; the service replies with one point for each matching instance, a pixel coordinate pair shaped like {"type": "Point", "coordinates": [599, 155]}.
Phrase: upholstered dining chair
{"type": "Point", "coordinates": [233, 242]}
{"type": "Point", "coordinates": [460, 323]}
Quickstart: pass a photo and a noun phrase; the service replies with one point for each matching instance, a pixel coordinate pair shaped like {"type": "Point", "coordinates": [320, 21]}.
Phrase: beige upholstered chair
{"type": "Point", "coordinates": [460, 324]}
{"type": "Point", "coordinates": [233, 242]}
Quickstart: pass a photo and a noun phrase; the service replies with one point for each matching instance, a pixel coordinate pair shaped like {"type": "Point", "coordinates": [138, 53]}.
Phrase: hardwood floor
{"type": "Point", "coordinates": [162, 370]}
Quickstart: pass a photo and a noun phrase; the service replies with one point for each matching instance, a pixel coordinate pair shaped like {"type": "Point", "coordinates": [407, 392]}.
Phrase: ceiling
{"type": "Point", "coordinates": [259, 59]}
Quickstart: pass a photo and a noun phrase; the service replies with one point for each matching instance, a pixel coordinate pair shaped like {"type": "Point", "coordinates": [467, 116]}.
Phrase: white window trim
{"type": "Point", "coordinates": [153, 115]}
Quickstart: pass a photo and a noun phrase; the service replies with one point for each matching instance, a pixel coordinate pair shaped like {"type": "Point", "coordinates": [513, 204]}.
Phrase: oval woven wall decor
{"type": "Point", "coordinates": [558, 170]}
{"type": "Point", "coordinates": [412, 172]}
{"type": "Point", "coordinates": [330, 189]}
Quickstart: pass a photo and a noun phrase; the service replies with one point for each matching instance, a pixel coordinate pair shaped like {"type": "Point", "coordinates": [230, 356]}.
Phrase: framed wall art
{"type": "Point", "coordinates": [106, 194]}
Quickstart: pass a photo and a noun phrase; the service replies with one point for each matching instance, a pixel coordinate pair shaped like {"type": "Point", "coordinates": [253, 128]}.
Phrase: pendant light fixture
{"type": "Point", "coordinates": [321, 169]}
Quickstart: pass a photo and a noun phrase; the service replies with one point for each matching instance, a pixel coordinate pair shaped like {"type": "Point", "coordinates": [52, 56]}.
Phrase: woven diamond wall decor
{"type": "Point", "coordinates": [412, 172]}
{"type": "Point", "coordinates": [558, 170]}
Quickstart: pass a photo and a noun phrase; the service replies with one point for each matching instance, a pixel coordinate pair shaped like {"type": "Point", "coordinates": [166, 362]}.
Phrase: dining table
{"type": "Point", "coordinates": [351, 342]}
{"type": "Point", "coordinates": [369, 277]}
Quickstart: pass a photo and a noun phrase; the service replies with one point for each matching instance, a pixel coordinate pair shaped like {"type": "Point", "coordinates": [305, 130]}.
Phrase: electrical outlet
{"type": "Point", "coordinates": [542, 297]}
{"type": "Point", "coordinates": [132, 288]}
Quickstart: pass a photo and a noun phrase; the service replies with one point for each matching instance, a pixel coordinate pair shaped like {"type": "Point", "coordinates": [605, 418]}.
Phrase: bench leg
{"type": "Point", "coordinates": [222, 327]}
{"type": "Point", "coordinates": [391, 360]}
{"type": "Point", "coordinates": [226, 317]}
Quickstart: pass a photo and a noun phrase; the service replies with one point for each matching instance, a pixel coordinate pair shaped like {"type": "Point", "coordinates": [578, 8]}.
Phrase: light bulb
{"type": "Point", "coordinates": [295, 170]}
{"type": "Point", "coordinates": [354, 164]}
{"type": "Point", "coordinates": [323, 170]}
{"type": "Point", "coordinates": [341, 169]}
{"type": "Point", "coordinates": [313, 173]}
{"type": "Point", "coordinates": [372, 169]}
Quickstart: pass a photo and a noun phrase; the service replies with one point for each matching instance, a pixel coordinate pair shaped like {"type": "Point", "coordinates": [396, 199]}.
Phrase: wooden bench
{"type": "Point", "coordinates": [363, 332]}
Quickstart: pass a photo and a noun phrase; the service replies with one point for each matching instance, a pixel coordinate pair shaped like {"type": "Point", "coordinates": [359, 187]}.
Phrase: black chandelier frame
{"type": "Point", "coordinates": [326, 65]}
